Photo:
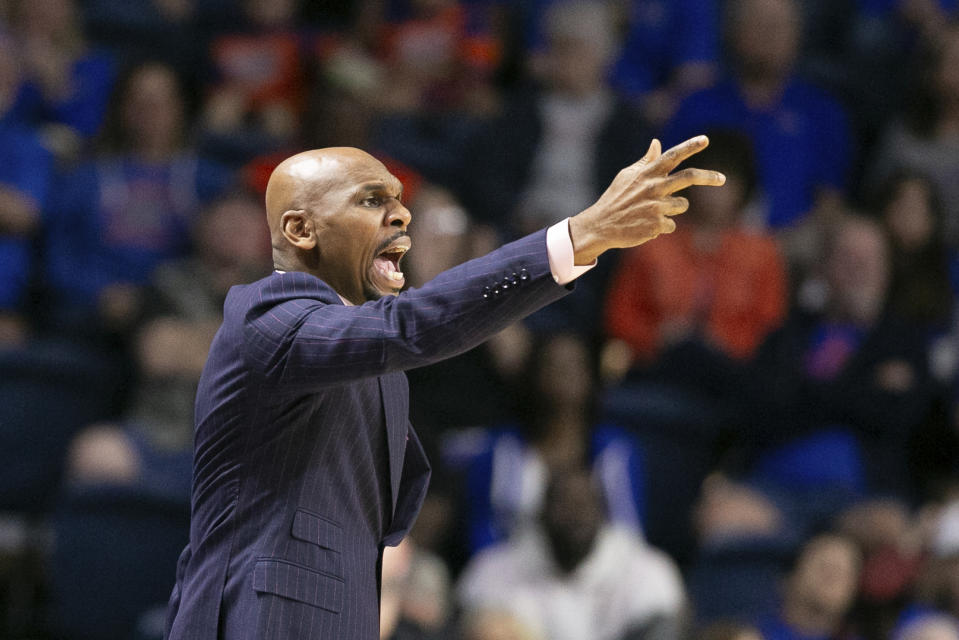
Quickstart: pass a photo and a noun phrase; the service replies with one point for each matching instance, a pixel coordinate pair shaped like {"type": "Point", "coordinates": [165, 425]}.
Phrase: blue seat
{"type": "Point", "coordinates": [114, 560]}
{"type": "Point", "coordinates": [47, 393]}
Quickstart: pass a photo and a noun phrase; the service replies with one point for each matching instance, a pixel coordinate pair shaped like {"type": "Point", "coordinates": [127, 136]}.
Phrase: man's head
{"type": "Point", "coordinates": [572, 516]}
{"type": "Point", "coordinates": [337, 214]}
{"type": "Point", "coordinates": [764, 37]}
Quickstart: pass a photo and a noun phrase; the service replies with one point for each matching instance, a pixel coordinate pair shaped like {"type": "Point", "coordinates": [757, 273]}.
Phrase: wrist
{"type": "Point", "coordinates": [587, 244]}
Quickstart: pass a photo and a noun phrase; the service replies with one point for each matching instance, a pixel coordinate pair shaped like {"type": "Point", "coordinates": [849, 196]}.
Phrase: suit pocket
{"type": "Point", "coordinates": [314, 528]}
{"type": "Point", "coordinates": [295, 582]}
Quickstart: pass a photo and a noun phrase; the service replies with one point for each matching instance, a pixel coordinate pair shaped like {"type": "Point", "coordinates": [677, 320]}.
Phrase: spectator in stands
{"type": "Point", "coordinates": [683, 317]}
{"type": "Point", "coordinates": [472, 389]}
{"type": "Point", "coordinates": [926, 140]}
{"type": "Point", "coordinates": [834, 395]}
{"type": "Point", "coordinates": [912, 216]}
{"type": "Point", "coordinates": [580, 577]}
{"type": "Point", "coordinates": [506, 483]}
{"type": "Point", "coordinates": [668, 50]}
{"type": "Point", "coordinates": [555, 145]}
{"type": "Point", "coordinates": [818, 591]}
{"type": "Point", "coordinates": [152, 446]}
{"type": "Point", "coordinates": [258, 92]}
{"type": "Point", "coordinates": [25, 175]}
{"type": "Point", "coordinates": [440, 57]}
{"type": "Point", "coordinates": [67, 82]}
{"type": "Point", "coordinates": [800, 133]}
{"type": "Point", "coordinates": [711, 282]}
{"type": "Point", "coordinates": [131, 208]}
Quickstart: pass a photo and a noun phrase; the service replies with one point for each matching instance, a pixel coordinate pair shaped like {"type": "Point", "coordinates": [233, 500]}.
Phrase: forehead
{"type": "Point", "coordinates": [344, 173]}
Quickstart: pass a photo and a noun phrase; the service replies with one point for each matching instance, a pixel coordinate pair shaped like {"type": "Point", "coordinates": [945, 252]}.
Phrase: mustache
{"type": "Point", "coordinates": [386, 243]}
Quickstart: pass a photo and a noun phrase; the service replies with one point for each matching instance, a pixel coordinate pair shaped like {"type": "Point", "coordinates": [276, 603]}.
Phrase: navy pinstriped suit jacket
{"type": "Point", "coordinates": [305, 464]}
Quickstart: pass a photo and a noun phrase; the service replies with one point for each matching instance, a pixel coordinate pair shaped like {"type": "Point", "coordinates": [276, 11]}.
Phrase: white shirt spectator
{"type": "Point", "coordinates": [622, 584]}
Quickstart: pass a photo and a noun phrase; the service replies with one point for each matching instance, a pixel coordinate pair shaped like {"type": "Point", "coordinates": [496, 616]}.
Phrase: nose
{"type": "Point", "coordinates": [398, 216]}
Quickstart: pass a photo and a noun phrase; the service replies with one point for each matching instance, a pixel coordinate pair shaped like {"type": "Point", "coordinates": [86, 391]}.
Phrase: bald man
{"type": "Point", "coordinates": [305, 464]}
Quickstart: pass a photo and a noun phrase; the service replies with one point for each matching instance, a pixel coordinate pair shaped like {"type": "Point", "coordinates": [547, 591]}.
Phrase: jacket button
{"type": "Point", "coordinates": [523, 274]}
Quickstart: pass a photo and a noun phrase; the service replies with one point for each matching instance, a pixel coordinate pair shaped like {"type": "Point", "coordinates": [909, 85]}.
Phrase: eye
{"type": "Point", "coordinates": [373, 201]}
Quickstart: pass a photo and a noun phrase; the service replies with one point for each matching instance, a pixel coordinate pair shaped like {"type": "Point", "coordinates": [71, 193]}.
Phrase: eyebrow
{"type": "Point", "coordinates": [374, 187]}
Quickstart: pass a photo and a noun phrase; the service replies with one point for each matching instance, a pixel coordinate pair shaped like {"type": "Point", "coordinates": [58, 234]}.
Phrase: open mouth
{"type": "Point", "coordinates": [387, 263]}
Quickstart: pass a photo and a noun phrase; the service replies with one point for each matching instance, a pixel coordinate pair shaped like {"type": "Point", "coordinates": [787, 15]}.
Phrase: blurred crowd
{"type": "Point", "coordinates": [746, 429]}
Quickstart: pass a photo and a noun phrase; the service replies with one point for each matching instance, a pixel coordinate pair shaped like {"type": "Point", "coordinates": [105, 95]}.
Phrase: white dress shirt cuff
{"type": "Point", "coordinates": [559, 248]}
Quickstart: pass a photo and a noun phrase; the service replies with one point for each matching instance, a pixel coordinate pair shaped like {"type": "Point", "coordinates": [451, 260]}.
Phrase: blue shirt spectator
{"type": "Point", "coordinates": [126, 217]}
{"type": "Point", "coordinates": [118, 217]}
{"type": "Point", "coordinates": [802, 143]}
{"type": "Point", "coordinates": [801, 134]}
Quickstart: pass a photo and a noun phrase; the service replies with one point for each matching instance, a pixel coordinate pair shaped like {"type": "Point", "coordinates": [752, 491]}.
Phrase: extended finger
{"type": "Point", "coordinates": [671, 158]}
{"type": "Point", "coordinates": [675, 206]}
{"type": "Point", "coordinates": [689, 177]}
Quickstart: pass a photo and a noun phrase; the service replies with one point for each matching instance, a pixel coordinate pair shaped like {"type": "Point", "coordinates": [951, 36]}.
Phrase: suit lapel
{"type": "Point", "coordinates": [395, 393]}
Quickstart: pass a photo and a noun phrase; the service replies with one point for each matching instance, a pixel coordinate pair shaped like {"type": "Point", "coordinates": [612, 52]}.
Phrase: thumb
{"type": "Point", "coordinates": [654, 151]}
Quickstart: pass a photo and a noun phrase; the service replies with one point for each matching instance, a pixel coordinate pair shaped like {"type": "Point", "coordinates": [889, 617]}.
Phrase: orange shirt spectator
{"type": "Point", "coordinates": [711, 281]}
{"type": "Point", "coordinates": [731, 294]}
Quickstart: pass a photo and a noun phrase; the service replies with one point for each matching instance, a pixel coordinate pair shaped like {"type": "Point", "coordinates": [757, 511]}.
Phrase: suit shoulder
{"type": "Point", "coordinates": [278, 288]}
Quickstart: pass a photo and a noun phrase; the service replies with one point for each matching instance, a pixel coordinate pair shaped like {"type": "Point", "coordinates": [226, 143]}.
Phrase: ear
{"type": "Point", "coordinates": [298, 229]}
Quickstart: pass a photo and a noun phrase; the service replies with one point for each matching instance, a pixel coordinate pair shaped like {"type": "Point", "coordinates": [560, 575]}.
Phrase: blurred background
{"type": "Point", "coordinates": [746, 429]}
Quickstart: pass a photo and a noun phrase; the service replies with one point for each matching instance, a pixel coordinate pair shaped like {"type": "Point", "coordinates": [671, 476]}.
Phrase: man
{"type": "Point", "coordinates": [577, 575]}
{"type": "Point", "coordinates": [304, 462]}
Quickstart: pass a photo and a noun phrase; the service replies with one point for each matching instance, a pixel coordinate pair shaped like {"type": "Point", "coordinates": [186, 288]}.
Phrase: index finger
{"type": "Point", "coordinates": [671, 158]}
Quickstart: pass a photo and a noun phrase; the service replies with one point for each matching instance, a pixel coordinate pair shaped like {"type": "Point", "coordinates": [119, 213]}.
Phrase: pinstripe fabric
{"type": "Point", "coordinates": [305, 464]}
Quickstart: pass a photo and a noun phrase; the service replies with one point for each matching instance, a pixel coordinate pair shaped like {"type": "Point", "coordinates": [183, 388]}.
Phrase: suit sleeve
{"type": "Point", "coordinates": [298, 342]}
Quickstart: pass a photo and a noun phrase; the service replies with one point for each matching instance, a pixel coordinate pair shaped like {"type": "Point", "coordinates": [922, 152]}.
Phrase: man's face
{"type": "Point", "coordinates": [572, 517]}
{"type": "Point", "coordinates": [361, 229]}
